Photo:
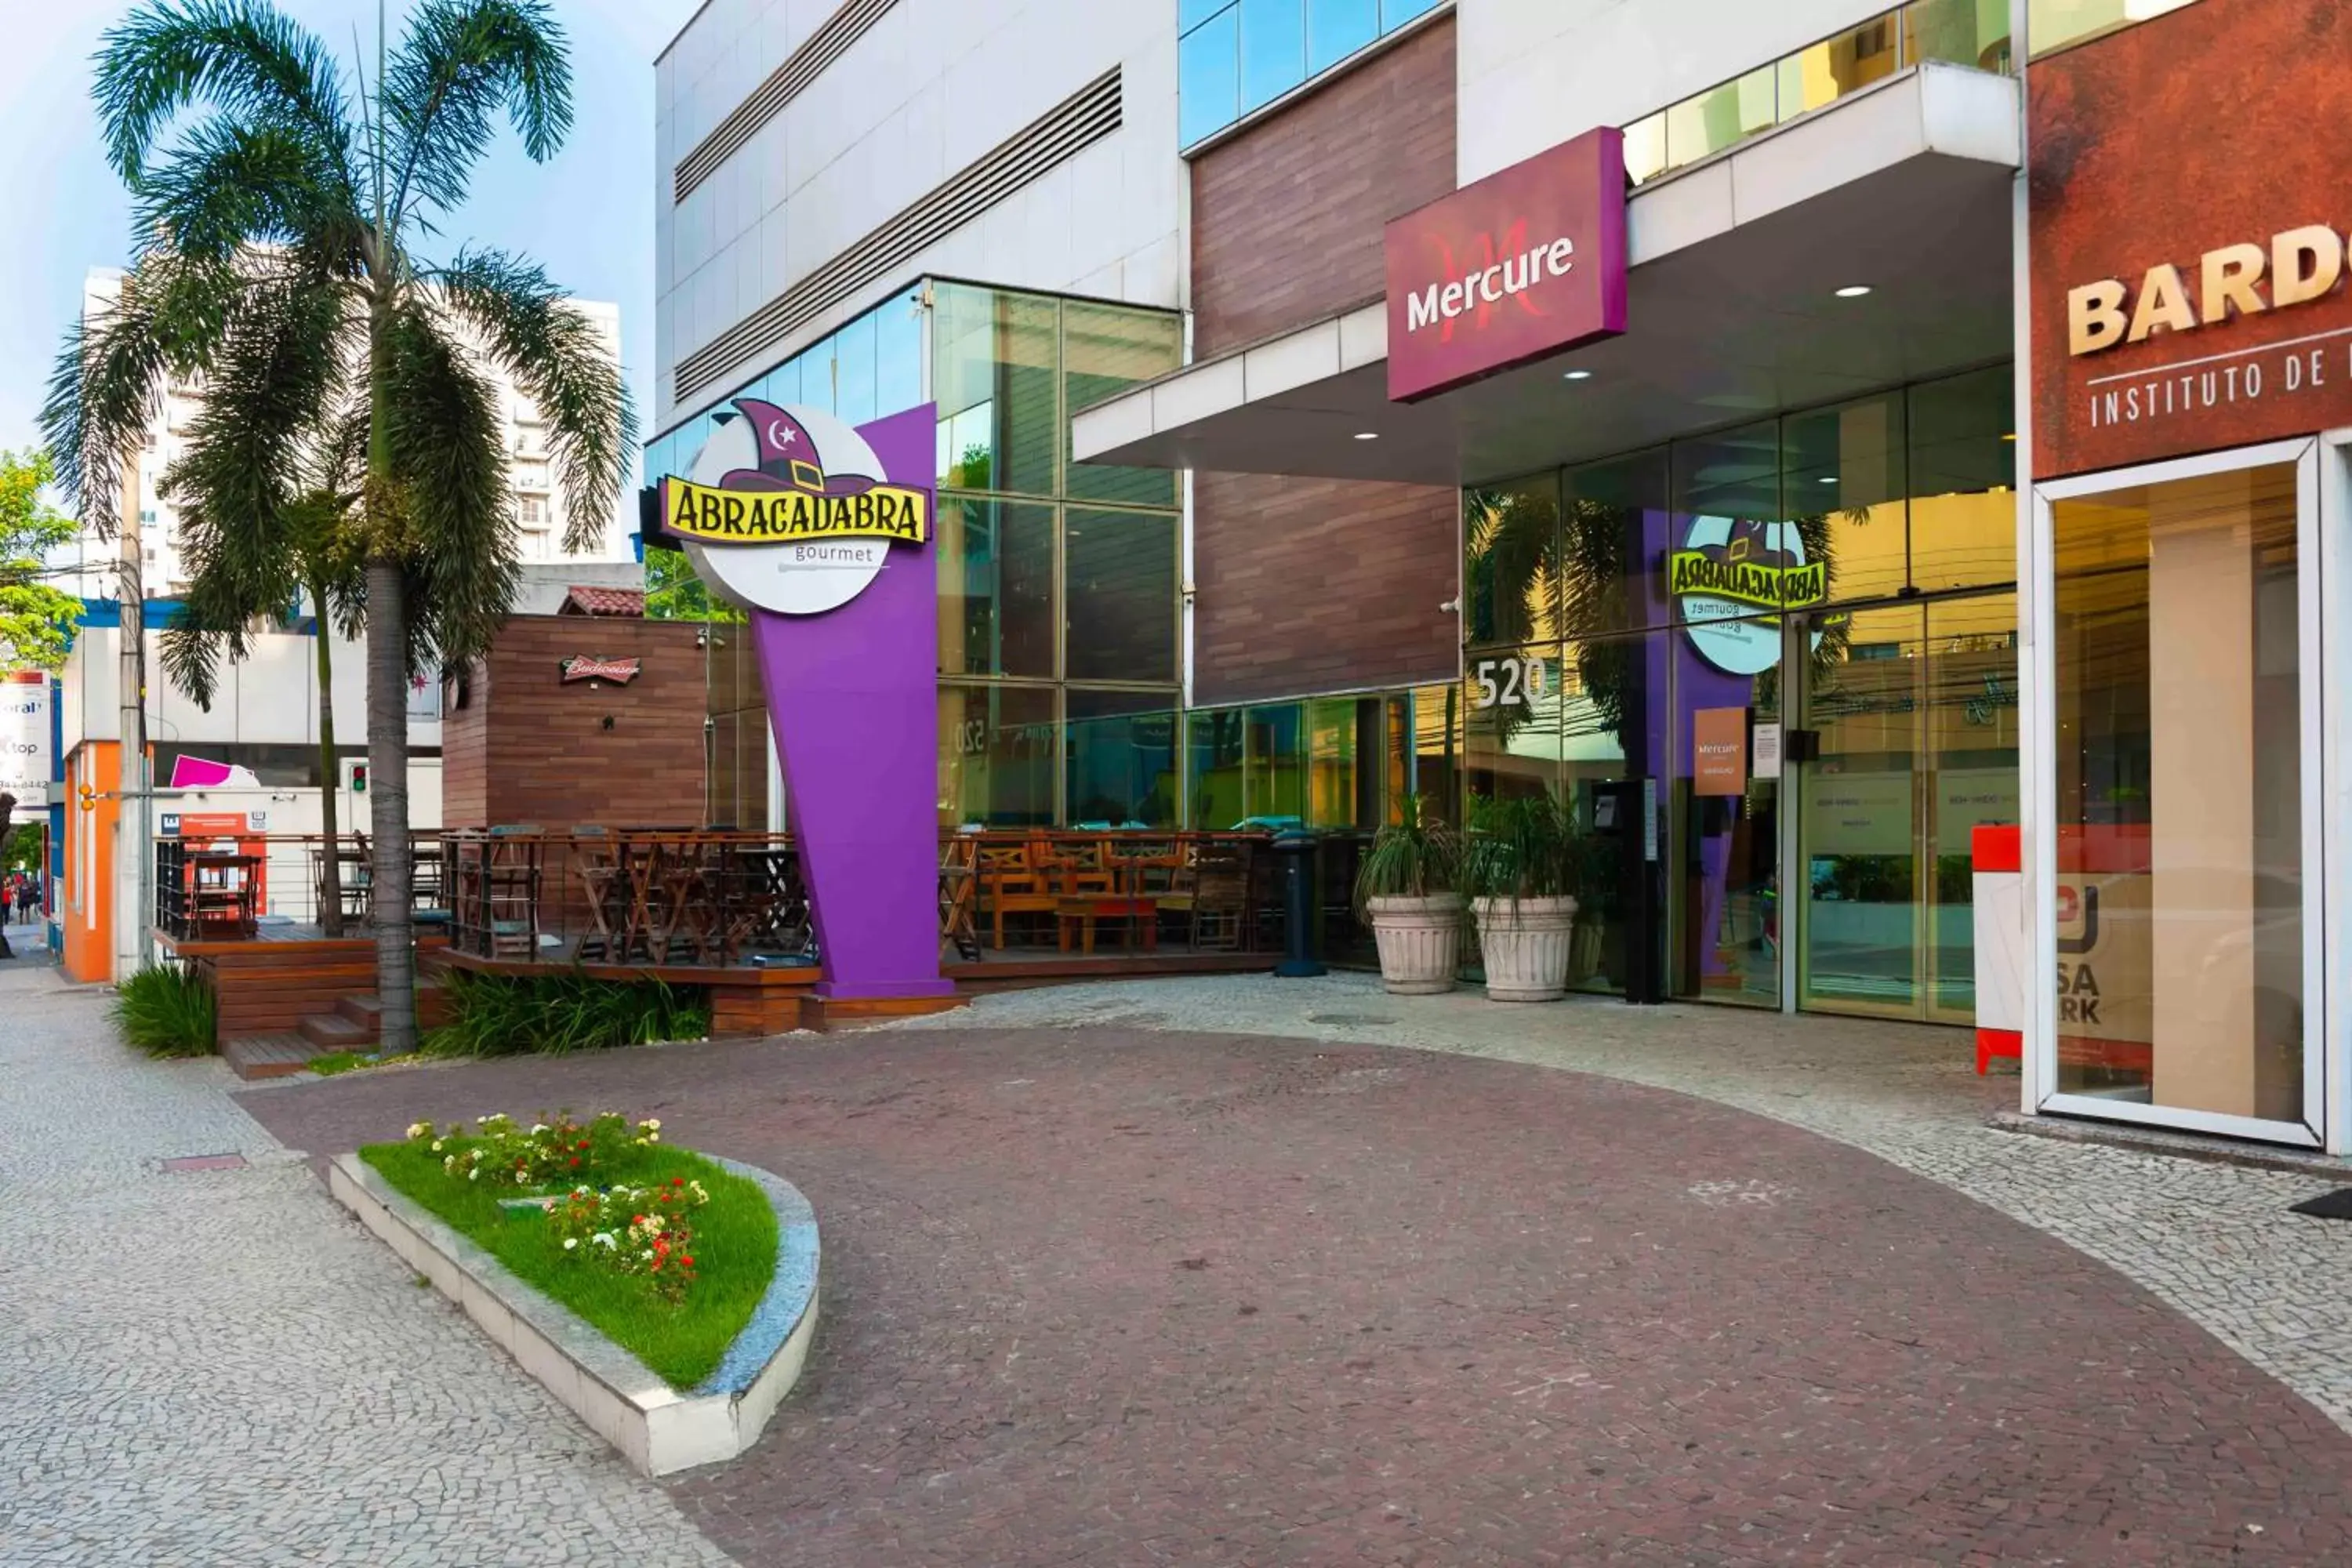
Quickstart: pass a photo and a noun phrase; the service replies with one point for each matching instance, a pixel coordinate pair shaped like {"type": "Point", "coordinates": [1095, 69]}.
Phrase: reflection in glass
{"type": "Point", "coordinates": [1119, 579]}
{"type": "Point", "coordinates": [853, 360]}
{"type": "Point", "coordinates": [1105, 351]}
{"type": "Point", "coordinates": [1844, 479]}
{"type": "Point", "coordinates": [1273, 792]}
{"type": "Point", "coordinates": [1828, 70]}
{"type": "Point", "coordinates": [2179, 724]}
{"type": "Point", "coordinates": [1273, 50]}
{"type": "Point", "coordinates": [1963, 477]}
{"type": "Point", "coordinates": [1859, 827]}
{"type": "Point", "coordinates": [1712, 120]}
{"type": "Point", "coordinates": [993, 377]}
{"type": "Point", "coordinates": [2056, 23]}
{"type": "Point", "coordinates": [1208, 67]}
{"type": "Point", "coordinates": [1958, 32]}
{"type": "Point", "coordinates": [996, 755]}
{"type": "Point", "coordinates": [1511, 570]}
{"type": "Point", "coordinates": [1335, 786]}
{"type": "Point", "coordinates": [1337, 28]}
{"type": "Point", "coordinates": [996, 587]}
{"type": "Point", "coordinates": [1725, 881]}
{"type": "Point", "coordinates": [1121, 766]}
{"type": "Point", "coordinates": [1215, 757]}
{"type": "Point", "coordinates": [1972, 719]}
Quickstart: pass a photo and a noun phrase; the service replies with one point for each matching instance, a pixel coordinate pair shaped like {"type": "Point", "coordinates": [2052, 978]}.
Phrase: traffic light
{"type": "Point", "coordinates": [359, 778]}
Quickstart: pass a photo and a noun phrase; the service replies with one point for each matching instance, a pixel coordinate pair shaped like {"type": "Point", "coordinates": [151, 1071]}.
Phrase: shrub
{"type": "Point", "coordinates": [495, 1015]}
{"type": "Point", "coordinates": [166, 1011]}
{"type": "Point", "coordinates": [546, 1153]}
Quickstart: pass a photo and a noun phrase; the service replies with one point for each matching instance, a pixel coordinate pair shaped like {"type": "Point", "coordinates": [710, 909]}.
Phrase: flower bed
{"type": "Point", "coordinates": [691, 1249]}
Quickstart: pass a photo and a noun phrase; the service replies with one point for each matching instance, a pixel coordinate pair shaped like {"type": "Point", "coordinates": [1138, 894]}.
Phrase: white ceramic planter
{"type": "Point", "coordinates": [1525, 942]}
{"type": "Point", "coordinates": [1420, 942]}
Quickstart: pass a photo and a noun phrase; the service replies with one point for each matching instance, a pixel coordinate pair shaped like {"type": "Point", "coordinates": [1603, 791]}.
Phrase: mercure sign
{"type": "Point", "coordinates": [1526, 263]}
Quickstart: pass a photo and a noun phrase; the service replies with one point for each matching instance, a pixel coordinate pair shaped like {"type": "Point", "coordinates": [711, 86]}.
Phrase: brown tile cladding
{"type": "Point", "coordinates": [1308, 585]}
{"type": "Point", "coordinates": [527, 748]}
{"type": "Point", "coordinates": [1287, 217]}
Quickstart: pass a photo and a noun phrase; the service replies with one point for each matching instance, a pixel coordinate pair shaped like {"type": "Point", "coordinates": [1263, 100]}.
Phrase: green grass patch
{"type": "Point", "coordinates": [734, 1247]}
{"type": "Point", "coordinates": [335, 1062]}
{"type": "Point", "coordinates": [502, 1016]}
{"type": "Point", "coordinates": [166, 1011]}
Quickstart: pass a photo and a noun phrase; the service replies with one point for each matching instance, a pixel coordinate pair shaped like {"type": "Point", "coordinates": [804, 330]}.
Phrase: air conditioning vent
{"type": "Point", "coordinates": [1079, 123]}
{"type": "Point", "coordinates": [787, 82]}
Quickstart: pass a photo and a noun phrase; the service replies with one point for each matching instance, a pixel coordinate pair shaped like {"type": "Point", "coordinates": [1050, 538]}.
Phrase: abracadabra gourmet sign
{"type": "Point", "coordinates": [1527, 262]}
{"type": "Point", "coordinates": [2189, 220]}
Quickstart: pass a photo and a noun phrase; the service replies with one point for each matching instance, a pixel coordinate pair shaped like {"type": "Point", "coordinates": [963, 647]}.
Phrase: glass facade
{"type": "Point", "coordinates": [1630, 627]}
{"type": "Point", "coordinates": [1955, 31]}
{"type": "Point", "coordinates": [1234, 57]}
{"type": "Point", "coordinates": [2058, 23]}
{"type": "Point", "coordinates": [1059, 609]}
{"type": "Point", "coordinates": [2181, 857]}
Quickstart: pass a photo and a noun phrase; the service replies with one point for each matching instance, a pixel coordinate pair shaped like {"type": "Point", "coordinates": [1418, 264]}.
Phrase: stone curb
{"type": "Point", "coordinates": [658, 1429]}
{"type": "Point", "coordinates": [2174, 1145]}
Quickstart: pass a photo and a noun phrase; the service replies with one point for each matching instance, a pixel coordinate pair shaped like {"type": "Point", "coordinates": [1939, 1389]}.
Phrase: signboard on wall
{"type": "Point", "coordinates": [1719, 751]}
{"type": "Point", "coordinates": [1526, 263]}
{"type": "Point", "coordinates": [2188, 234]}
{"type": "Point", "coordinates": [26, 756]}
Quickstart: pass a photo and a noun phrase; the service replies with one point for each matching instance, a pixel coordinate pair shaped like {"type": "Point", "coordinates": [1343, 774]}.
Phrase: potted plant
{"type": "Point", "coordinates": [1404, 889]}
{"type": "Point", "coordinates": [1518, 870]}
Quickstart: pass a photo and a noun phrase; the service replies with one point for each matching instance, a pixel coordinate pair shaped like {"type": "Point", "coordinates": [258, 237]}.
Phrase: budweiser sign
{"type": "Point", "coordinates": [1524, 264]}
{"type": "Point", "coordinates": [619, 672]}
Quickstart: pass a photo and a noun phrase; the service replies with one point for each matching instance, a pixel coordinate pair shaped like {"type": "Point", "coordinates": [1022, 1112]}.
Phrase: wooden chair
{"type": "Point", "coordinates": [1220, 898]}
{"type": "Point", "coordinates": [511, 891]}
{"type": "Point", "coordinates": [1011, 882]}
{"type": "Point", "coordinates": [959, 891]}
{"type": "Point", "coordinates": [597, 865]}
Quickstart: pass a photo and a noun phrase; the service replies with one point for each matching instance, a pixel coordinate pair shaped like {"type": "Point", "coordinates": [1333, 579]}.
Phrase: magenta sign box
{"type": "Point", "coordinates": [1526, 263]}
{"type": "Point", "coordinates": [822, 532]}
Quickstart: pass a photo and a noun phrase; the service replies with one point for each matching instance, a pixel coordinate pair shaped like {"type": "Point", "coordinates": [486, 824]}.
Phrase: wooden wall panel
{"type": "Point", "coordinates": [1287, 216]}
{"type": "Point", "coordinates": [1308, 586]}
{"type": "Point", "coordinates": [546, 756]}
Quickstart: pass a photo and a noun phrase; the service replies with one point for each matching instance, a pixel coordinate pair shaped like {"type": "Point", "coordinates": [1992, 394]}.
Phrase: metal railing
{"type": "Point", "coordinates": [244, 887]}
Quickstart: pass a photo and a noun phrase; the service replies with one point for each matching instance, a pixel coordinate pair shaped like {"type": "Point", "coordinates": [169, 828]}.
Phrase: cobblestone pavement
{"type": "Point", "coordinates": [2216, 1242]}
{"type": "Point", "coordinates": [221, 1369]}
{"type": "Point", "coordinates": [1122, 1295]}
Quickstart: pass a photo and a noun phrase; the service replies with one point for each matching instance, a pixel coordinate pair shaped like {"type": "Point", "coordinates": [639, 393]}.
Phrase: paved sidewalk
{"type": "Point", "coordinates": [1127, 1295]}
{"type": "Point", "coordinates": [2215, 1242]}
{"type": "Point", "coordinates": [220, 1369]}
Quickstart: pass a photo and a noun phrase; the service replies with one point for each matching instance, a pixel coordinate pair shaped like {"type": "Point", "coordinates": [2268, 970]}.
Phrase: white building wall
{"type": "Point", "coordinates": [163, 576]}
{"type": "Point", "coordinates": [1533, 73]}
{"type": "Point", "coordinates": [924, 93]}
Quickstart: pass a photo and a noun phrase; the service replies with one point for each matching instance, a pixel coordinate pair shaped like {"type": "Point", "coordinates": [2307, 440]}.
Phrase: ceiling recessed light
{"type": "Point", "coordinates": [1854, 292]}
{"type": "Point", "coordinates": [2011, 437]}
{"type": "Point", "coordinates": [1368, 435]}
{"type": "Point", "coordinates": [1829, 478]}
{"type": "Point", "coordinates": [1576, 375]}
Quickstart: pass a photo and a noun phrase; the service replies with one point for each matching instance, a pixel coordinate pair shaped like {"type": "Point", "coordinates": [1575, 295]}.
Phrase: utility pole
{"type": "Point", "coordinates": [134, 841]}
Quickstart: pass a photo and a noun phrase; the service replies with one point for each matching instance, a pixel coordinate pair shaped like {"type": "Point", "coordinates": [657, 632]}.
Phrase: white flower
{"type": "Point", "coordinates": [437, 1145]}
{"type": "Point", "coordinates": [603, 1239]}
{"type": "Point", "coordinates": [570, 1242]}
{"type": "Point", "coordinates": [650, 1124]}
{"type": "Point", "coordinates": [537, 1128]}
{"type": "Point", "coordinates": [475, 1174]}
{"type": "Point", "coordinates": [420, 1130]}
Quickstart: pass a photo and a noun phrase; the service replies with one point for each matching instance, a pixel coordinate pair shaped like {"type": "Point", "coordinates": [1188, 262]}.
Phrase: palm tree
{"type": "Point", "coordinates": [256, 557]}
{"type": "Point", "coordinates": [304, 200]}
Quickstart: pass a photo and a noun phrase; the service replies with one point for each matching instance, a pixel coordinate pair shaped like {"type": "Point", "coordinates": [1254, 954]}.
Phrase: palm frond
{"type": "Point", "coordinates": [447, 438]}
{"type": "Point", "coordinates": [461, 62]}
{"type": "Point", "coordinates": [557, 356]}
{"type": "Point", "coordinates": [243, 57]}
{"type": "Point", "coordinates": [228, 187]}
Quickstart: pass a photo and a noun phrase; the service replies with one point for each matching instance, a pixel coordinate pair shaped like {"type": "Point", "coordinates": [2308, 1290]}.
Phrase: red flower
{"type": "Point", "coordinates": [575, 1161]}
{"type": "Point", "coordinates": [687, 1261]}
{"type": "Point", "coordinates": [677, 1181]}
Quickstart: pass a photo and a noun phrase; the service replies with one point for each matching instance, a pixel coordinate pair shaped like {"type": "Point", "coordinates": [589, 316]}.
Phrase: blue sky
{"type": "Point", "coordinates": [587, 217]}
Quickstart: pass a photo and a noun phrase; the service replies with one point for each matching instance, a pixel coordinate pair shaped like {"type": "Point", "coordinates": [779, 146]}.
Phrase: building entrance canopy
{"type": "Point", "coordinates": [1734, 311]}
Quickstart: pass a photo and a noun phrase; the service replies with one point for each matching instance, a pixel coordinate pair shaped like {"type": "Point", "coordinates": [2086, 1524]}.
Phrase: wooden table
{"type": "Point", "coordinates": [1082, 910]}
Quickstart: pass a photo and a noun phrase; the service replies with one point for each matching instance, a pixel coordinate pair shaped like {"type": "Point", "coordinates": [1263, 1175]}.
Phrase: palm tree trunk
{"type": "Point", "coordinates": [393, 886]}
{"type": "Point", "coordinates": [331, 782]}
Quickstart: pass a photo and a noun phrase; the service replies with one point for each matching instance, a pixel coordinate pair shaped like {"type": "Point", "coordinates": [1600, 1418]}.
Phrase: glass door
{"type": "Point", "coordinates": [1912, 715]}
{"type": "Point", "coordinates": [1860, 815]}
{"type": "Point", "coordinates": [2183, 732]}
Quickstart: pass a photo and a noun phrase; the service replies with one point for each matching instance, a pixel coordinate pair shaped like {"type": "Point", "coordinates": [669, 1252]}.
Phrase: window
{"type": "Point", "coordinates": [1105, 351]}
{"type": "Point", "coordinates": [1121, 748]}
{"type": "Point", "coordinates": [2057, 23]}
{"type": "Point", "coordinates": [1236, 56]}
{"type": "Point", "coordinates": [532, 511]}
{"type": "Point", "coordinates": [1955, 31]}
{"type": "Point", "coordinates": [996, 587]}
{"type": "Point", "coordinates": [1119, 571]}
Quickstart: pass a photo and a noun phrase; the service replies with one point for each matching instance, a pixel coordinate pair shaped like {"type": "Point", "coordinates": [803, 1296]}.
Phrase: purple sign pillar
{"type": "Point", "coordinates": [853, 696]}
